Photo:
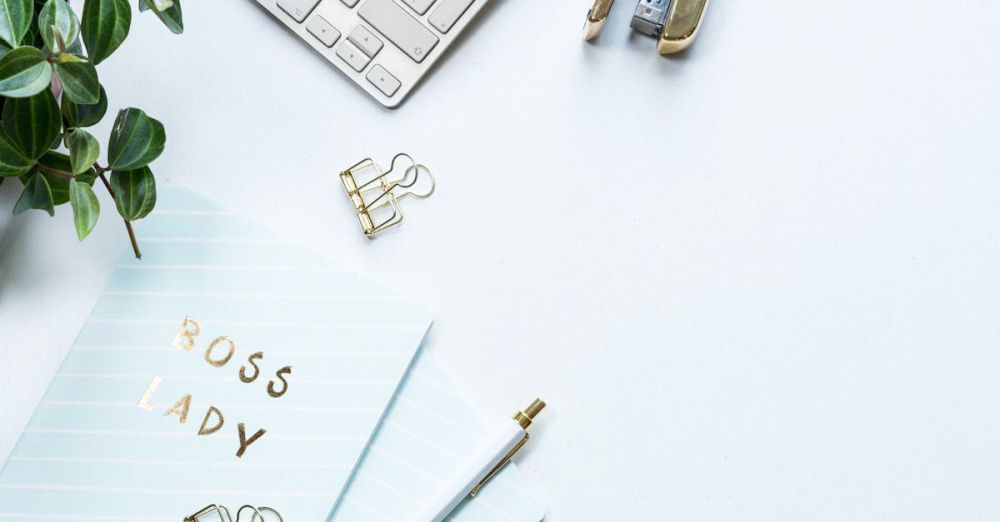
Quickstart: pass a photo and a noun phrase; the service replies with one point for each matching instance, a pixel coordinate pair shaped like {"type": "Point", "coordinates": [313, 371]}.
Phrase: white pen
{"type": "Point", "coordinates": [491, 457]}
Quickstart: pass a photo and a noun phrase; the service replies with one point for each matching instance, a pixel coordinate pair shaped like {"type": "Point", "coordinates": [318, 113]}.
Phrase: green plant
{"type": "Point", "coordinates": [43, 59]}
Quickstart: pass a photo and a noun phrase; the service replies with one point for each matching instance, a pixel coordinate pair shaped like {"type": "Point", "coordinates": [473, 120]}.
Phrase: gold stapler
{"type": "Point", "coordinates": [675, 23]}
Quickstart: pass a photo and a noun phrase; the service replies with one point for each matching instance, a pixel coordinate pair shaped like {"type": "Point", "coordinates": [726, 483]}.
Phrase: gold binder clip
{"type": "Point", "coordinates": [221, 513]}
{"type": "Point", "coordinates": [596, 18]}
{"type": "Point", "coordinates": [376, 201]}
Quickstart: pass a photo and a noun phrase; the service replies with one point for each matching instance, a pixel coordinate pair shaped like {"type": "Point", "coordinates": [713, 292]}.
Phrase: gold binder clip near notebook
{"type": "Point", "coordinates": [219, 513]}
{"type": "Point", "coordinates": [375, 194]}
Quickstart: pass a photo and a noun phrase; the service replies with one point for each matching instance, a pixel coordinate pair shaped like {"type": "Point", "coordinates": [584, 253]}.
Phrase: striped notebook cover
{"type": "Point", "coordinates": [133, 427]}
{"type": "Point", "coordinates": [429, 431]}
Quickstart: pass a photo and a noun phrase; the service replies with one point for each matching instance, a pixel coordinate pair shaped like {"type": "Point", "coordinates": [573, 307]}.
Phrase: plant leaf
{"type": "Point", "coordinates": [23, 72]}
{"type": "Point", "coordinates": [3, 49]}
{"type": "Point", "coordinates": [32, 123]}
{"type": "Point", "coordinates": [15, 19]}
{"type": "Point", "coordinates": [79, 80]}
{"type": "Point", "coordinates": [67, 57]}
{"type": "Point", "coordinates": [142, 6]}
{"type": "Point", "coordinates": [86, 209]}
{"type": "Point", "coordinates": [83, 115]}
{"type": "Point", "coordinates": [36, 194]}
{"type": "Point", "coordinates": [13, 162]}
{"type": "Point", "coordinates": [83, 150]}
{"type": "Point", "coordinates": [135, 192]}
{"type": "Point", "coordinates": [172, 17]}
{"type": "Point", "coordinates": [60, 184]}
{"type": "Point", "coordinates": [136, 140]}
{"type": "Point", "coordinates": [105, 26]}
{"type": "Point", "coordinates": [55, 17]}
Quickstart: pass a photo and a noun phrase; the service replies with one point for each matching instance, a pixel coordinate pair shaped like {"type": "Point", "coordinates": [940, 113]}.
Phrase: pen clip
{"type": "Point", "coordinates": [496, 469]}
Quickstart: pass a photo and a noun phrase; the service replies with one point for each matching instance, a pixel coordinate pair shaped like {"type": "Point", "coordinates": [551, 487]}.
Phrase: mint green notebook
{"type": "Point", "coordinates": [335, 347]}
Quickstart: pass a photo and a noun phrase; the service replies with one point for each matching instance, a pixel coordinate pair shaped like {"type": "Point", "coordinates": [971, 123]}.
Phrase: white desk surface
{"type": "Point", "coordinates": [755, 282]}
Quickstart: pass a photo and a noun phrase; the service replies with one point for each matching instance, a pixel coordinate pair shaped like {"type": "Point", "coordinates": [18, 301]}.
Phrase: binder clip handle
{"type": "Point", "coordinates": [415, 169]}
{"type": "Point", "coordinates": [376, 197]}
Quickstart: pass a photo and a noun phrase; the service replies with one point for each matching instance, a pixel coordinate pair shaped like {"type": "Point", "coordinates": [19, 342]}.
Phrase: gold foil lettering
{"type": "Point", "coordinates": [186, 334]}
{"type": "Point", "coordinates": [208, 431]}
{"type": "Point", "coordinates": [229, 355]}
{"type": "Point", "coordinates": [214, 421]}
{"type": "Point", "coordinates": [256, 356]}
{"type": "Point", "coordinates": [244, 442]}
{"type": "Point", "coordinates": [144, 401]}
{"type": "Point", "coordinates": [181, 408]}
{"type": "Point", "coordinates": [287, 370]}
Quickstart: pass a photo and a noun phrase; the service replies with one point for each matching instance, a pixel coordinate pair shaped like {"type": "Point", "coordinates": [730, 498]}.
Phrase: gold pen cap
{"type": "Point", "coordinates": [527, 415]}
{"type": "Point", "coordinates": [524, 419]}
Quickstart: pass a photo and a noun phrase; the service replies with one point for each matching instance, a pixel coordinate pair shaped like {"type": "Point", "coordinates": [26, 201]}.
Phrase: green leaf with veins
{"type": "Point", "coordinates": [36, 194]}
{"type": "Point", "coordinates": [83, 150]}
{"type": "Point", "coordinates": [32, 123]}
{"type": "Point", "coordinates": [136, 140]}
{"type": "Point", "coordinates": [60, 184]}
{"type": "Point", "coordinates": [171, 16]}
{"type": "Point", "coordinates": [83, 115]}
{"type": "Point", "coordinates": [79, 79]}
{"type": "Point", "coordinates": [162, 4]}
{"type": "Point", "coordinates": [86, 209]}
{"type": "Point", "coordinates": [24, 72]}
{"type": "Point", "coordinates": [13, 162]}
{"type": "Point", "coordinates": [15, 19]}
{"type": "Point", "coordinates": [105, 26]}
{"type": "Point", "coordinates": [58, 16]}
{"type": "Point", "coordinates": [135, 192]}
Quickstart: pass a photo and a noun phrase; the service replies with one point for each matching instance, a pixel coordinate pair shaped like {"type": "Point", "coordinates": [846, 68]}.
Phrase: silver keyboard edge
{"type": "Point", "coordinates": [359, 78]}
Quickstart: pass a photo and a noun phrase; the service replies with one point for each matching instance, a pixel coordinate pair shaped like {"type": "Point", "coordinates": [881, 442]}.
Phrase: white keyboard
{"type": "Point", "coordinates": [385, 46]}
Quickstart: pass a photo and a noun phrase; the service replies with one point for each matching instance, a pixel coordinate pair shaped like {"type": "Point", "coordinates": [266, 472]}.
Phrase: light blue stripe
{"type": "Point", "coordinates": [122, 475]}
{"type": "Point", "coordinates": [262, 337]}
{"type": "Point", "coordinates": [215, 448]}
{"type": "Point", "coordinates": [335, 284]}
{"type": "Point", "coordinates": [146, 505]}
{"type": "Point", "coordinates": [263, 309]}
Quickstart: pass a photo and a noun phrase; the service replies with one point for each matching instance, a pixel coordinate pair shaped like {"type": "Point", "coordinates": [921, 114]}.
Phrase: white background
{"type": "Point", "coordinates": [755, 282]}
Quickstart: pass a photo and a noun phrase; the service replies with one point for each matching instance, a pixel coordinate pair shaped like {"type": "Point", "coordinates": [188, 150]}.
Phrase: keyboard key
{"type": "Point", "coordinates": [365, 41]}
{"type": "Point", "coordinates": [399, 27]}
{"type": "Point", "coordinates": [420, 6]}
{"type": "Point", "coordinates": [387, 83]}
{"type": "Point", "coordinates": [354, 57]}
{"type": "Point", "coordinates": [323, 31]}
{"type": "Point", "coordinates": [298, 9]}
{"type": "Point", "coordinates": [447, 13]}
{"type": "Point", "coordinates": [350, 3]}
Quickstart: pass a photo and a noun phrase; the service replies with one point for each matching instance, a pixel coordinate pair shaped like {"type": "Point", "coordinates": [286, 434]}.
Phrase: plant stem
{"type": "Point", "coordinates": [128, 224]}
{"type": "Point", "coordinates": [54, 172]}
